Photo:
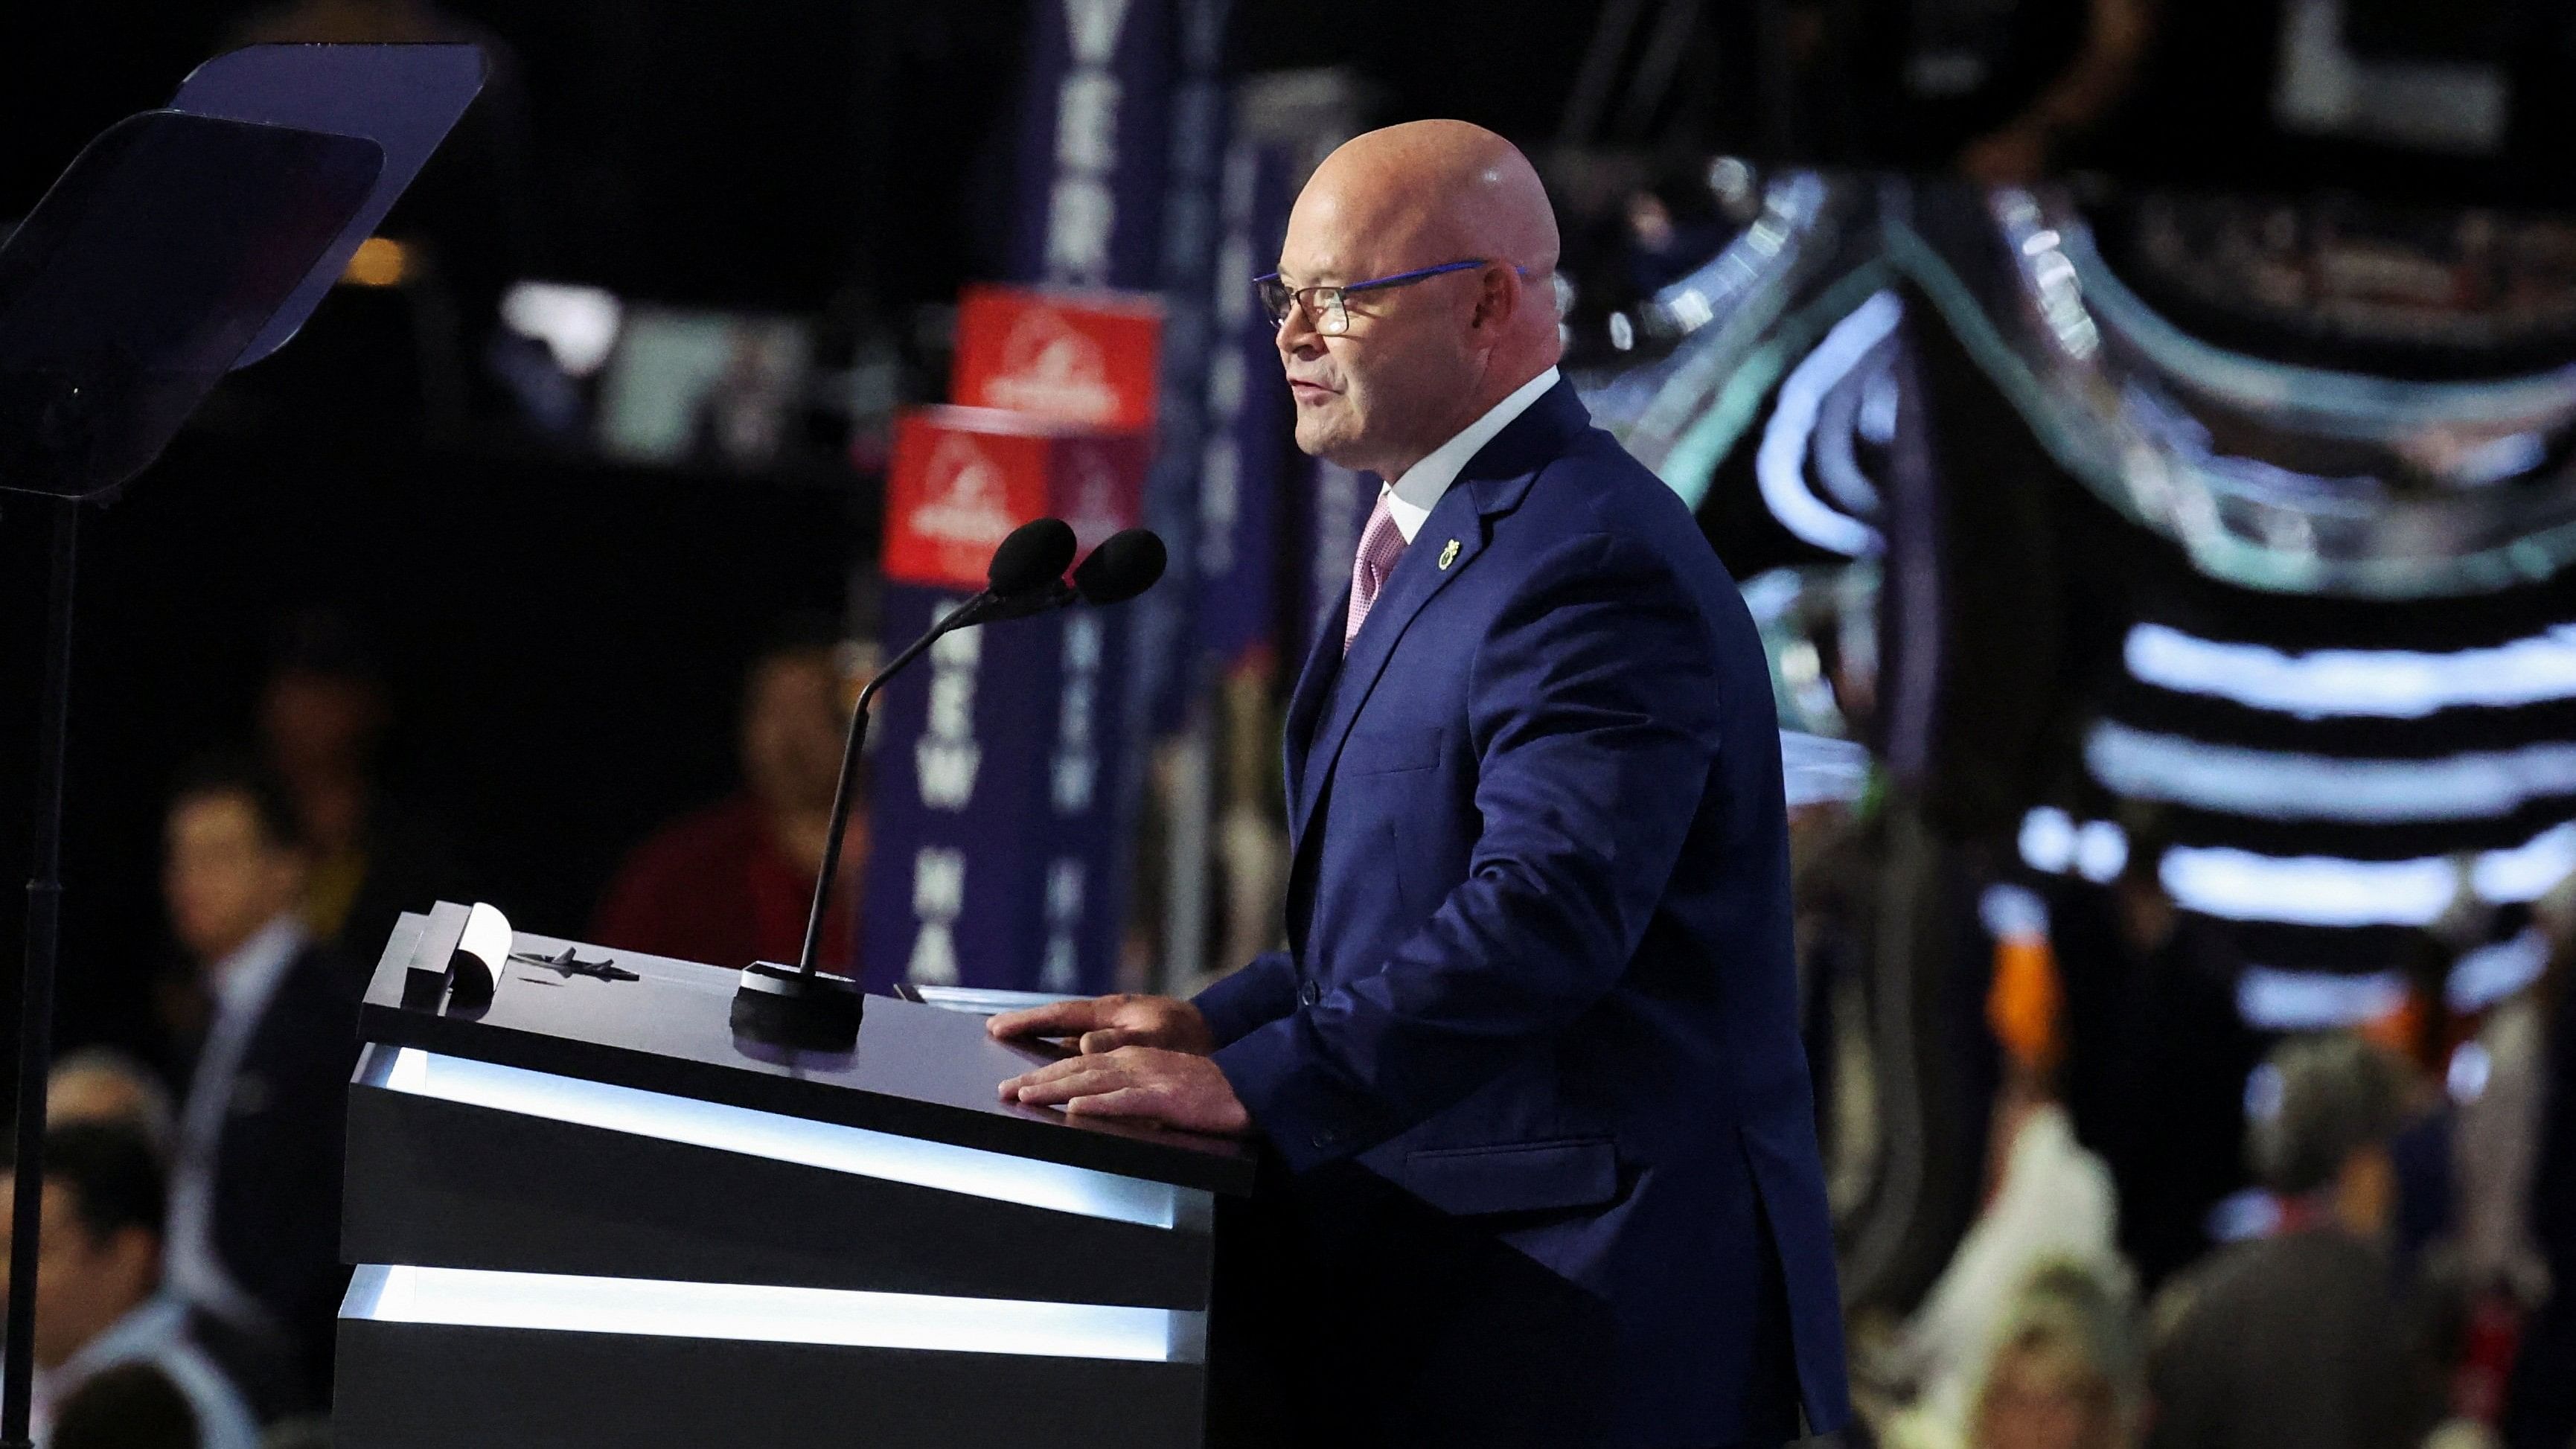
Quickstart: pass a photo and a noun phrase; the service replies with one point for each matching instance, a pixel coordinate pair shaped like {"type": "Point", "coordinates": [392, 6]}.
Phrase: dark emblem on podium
{"type": "Point", "coordinates": [568, 964]}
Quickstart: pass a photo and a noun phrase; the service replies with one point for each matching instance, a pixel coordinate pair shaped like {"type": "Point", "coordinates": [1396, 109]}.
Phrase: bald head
{"type": "Point", "coordinates": [1417, 363]}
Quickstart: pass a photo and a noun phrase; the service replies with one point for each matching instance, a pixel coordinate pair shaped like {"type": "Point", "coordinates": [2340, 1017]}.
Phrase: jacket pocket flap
{"type": "Point", "coordinates": [1384, 751]}
{"type": "Point", "coordinates": [1515, 1177]}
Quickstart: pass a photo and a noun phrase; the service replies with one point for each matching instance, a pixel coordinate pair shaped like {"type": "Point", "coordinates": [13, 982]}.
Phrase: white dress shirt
{"type": "Point", "coordinates": [244, 983]}
{"type": "Point", "coordinates": [1409, 498]}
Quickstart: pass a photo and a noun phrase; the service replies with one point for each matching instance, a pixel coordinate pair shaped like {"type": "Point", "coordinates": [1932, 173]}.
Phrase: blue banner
{"type": "Point", "coordinates": [1095, 116]}
{"type": "Point", "coordinates": [1250, 424]}
{"type": "Point", "coordinates": [993, 789]}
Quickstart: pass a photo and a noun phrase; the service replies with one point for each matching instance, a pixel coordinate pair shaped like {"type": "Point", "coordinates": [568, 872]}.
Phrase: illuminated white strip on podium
{"type": "Point", "coordinates": [939, 1165]}
{"type": "Point", "coordinates": [751, 1313]}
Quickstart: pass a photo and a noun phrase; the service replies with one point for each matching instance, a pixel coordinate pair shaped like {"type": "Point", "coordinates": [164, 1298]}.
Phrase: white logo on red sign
{"type": "Point", "coordinates": [964, 500]}
{"type": "Point", "coordinates": [1050, 367]}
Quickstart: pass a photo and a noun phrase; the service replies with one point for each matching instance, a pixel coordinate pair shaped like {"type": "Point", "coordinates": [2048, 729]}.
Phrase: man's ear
{"type": "Point", "coordinates": [1497, 298]}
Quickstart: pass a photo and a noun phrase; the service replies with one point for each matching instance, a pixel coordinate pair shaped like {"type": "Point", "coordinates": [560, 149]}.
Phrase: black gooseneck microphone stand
{"type": "Point", "coordinates": [798, 1006]}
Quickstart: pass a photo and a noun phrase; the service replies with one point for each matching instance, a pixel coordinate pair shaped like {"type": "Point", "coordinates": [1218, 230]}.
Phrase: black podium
{"type": "Point", "coordinates": [584, 1214]}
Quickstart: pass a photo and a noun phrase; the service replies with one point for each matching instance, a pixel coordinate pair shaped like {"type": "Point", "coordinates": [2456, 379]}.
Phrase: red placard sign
{"type": "Point", "coordinates": [963, 478]}
{"type": "Point", "coordinates": [1086, 358]}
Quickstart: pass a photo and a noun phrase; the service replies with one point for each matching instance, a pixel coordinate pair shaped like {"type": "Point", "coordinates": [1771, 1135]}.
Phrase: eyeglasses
{"type": "Point", "coordinates": [1325, 305]}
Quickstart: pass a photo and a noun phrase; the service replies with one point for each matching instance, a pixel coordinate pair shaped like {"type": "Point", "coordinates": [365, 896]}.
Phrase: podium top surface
{"type": "Point", "coordinates": [919, 1071]}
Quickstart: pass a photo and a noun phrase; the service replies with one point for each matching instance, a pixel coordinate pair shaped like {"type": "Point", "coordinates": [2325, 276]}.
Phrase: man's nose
{"type": "Point", "coordinates": [1297, 333]}
{"type": "Point", "coordinates": [1297, 336]}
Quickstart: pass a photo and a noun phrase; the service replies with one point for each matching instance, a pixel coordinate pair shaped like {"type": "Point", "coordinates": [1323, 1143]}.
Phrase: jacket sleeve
{"type": "Point", "coordinates": [1593, 708]}
{"type": "Point", "coordinates": [1264, 990]}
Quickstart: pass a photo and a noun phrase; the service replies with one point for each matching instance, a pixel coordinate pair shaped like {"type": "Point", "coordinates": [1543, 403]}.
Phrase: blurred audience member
{"type": "Point", "coordinates": [732, 884]}
{"type": "Point", "coordinates": [322, 720]}
{"type": "Point", "coordinates": [115, 1360]}
{"type": "Point", "coordinates": [255, 1198]}
{"type": "Point", "coordinates": [2301, 1339]}
{"type": "Point", "coordinates": [2541, 1405]}
{"type": "Point", "coordinates": [2060, 1370]}
{"type": "Point", "coordinates": [2065, 1373]}
{"type": "Point", "coordinates": [132, 1406]}
{"type": "Point", "coordinates": [2157, 1054]}
{"type": "Point", "coordinates": [1675, 226]}
{"type": "Point", "coordinates": [2047, 1199]}
{"type": "Point", "coordinates": [100, 1084]}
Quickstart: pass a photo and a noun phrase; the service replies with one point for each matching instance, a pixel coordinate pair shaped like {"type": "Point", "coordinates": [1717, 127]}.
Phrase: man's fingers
{"type": "Point", "coordinates": [1124, 1102]}
{"type": "Point", "coordinates": [1107, 1039]}
{"type": "Point", "coordinates": [1047, 1073]}
{"type": "Point", "coordinates": [1044, 1090]}
{"type": "Point", "coordinates": [1056, 1018]}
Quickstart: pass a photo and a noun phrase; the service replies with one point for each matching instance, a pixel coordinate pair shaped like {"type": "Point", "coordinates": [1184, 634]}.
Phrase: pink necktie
{"type": "Point", "coordinates": [1381, 544]}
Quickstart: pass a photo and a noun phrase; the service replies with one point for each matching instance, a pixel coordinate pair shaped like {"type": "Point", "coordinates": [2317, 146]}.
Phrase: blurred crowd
{"type": "Point", "coordinates": [189, 1276]}
{"type": "Point", "coordinates": [2186, 1233]}
{"type": "Point", "coordinates": [2189, 1233]}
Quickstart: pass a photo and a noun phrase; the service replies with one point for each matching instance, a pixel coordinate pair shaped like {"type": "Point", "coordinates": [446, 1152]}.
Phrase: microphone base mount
{"type": "Point", "coordinates": [783, 1006]}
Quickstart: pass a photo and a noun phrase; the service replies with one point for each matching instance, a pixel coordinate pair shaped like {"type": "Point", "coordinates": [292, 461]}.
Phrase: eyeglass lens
{"type": "Point", "coordinates": [1324, 305]}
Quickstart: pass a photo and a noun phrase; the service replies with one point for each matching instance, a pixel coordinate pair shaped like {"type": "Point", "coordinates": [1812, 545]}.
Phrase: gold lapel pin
{"type": "Point", "coordinates": [1449, 555]}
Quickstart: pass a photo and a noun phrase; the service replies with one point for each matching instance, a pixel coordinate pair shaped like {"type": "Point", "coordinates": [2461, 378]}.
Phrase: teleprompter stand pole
{"type": "Point", "coordinates": [36, 981]}
{"type": "Point", "coordinates": [179, 244]}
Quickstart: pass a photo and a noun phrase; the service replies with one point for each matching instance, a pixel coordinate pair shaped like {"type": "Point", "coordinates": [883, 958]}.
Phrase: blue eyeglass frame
{"type": "Point", "coordinates": [1297, 296]}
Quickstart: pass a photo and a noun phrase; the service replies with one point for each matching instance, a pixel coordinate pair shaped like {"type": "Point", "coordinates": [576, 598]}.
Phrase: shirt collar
{"type": "Point", "coordinates": [1409, 498]}
{"type": "Point", "coordinates": [245, 976]}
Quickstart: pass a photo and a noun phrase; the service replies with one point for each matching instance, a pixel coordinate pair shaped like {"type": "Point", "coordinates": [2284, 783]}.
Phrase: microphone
{"type": "Point", "coordinates": [1034, 556]}
{"type": "Point", "coordinates": [1126, 564]}
{"type": "Point", "coordinates": [796, 1006]}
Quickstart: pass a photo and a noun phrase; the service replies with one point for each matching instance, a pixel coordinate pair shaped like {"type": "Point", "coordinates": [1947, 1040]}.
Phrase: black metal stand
{"type": "Point", "coordinates": [798, 1006]}
{"type": "Point", "coordinates": [36, 981]}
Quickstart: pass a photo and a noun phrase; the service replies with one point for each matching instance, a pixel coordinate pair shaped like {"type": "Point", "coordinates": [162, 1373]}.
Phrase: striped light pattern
{"type": "Point", "coordinates": [2378, 683]}
{"type": "Point", "coordinates": [1780, 464]}
{"type": "Point", "coordinates": [943, 1166]}
{"type": "Point", "coordinates": [2325, 891]}
{"type": "Point", "coordinates": [2288, 785]}
{"type": "Point", "coordinates": [2488, 974]}
{"type": "Point", "coordinates": [2271, 999]}
{"type": "Point", "coordinates": [759, 1313]}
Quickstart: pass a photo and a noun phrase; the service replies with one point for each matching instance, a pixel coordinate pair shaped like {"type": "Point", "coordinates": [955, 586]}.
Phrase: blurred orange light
{"type": "Point", "coordinates": [378, 262]}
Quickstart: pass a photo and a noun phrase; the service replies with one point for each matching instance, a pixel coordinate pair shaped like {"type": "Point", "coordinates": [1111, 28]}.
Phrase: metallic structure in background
{"type": "Point", "coordinates": [2442, 484]}
{"type": "Point", "coordinates": [2418, 488]}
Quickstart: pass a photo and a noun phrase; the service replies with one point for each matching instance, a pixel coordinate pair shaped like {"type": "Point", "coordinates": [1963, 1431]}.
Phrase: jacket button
{"type": "Point", "coordinates": [1327, 1138]}
{"type": "Point", "coordinates": [1310, 993]}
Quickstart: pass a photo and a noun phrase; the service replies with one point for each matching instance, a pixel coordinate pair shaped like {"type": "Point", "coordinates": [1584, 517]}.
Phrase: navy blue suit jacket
{"type": "Point", "coordinates": [1532, 1058]}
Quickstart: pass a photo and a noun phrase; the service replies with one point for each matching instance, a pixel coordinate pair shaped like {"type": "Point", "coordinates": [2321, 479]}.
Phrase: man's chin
{"type": "Point", "coordinates": [1333, 445]}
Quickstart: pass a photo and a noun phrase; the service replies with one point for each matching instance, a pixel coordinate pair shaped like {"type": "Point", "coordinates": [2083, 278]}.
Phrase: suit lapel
{"type": "Point", "coordinates": [1306, 700]}
{"type": "Point", "coordinates": [1492, 483]}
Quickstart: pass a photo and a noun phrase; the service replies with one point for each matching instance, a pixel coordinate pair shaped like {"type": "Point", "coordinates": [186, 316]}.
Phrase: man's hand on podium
{"type": "Point", "coordinates": [1139, 1057]}
{"type": "Point", "coordinates": [1177, 1089]}
{"type": "Point", "coordinates": [1105, 1023]}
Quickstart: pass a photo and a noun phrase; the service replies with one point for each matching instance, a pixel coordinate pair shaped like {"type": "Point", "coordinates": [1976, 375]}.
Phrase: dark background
{"type": "Point", "coordinates": [567, 636]}
{"type": "Point", "coordinates": [565, 644]}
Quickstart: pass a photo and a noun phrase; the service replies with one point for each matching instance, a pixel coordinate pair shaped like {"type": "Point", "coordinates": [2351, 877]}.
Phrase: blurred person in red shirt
{"type": "Point", "coordinates": [731, 884]}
